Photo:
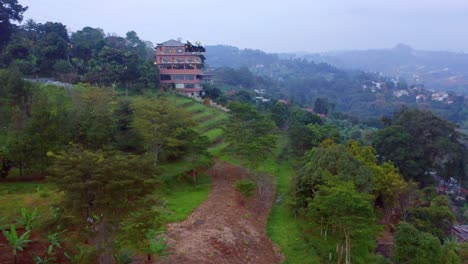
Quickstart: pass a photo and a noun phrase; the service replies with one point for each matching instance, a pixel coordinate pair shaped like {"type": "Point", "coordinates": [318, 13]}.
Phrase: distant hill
{"type": "Point", "coordinates": [305, 78]}
{"type": "Point", "coordinates": [436, 70]}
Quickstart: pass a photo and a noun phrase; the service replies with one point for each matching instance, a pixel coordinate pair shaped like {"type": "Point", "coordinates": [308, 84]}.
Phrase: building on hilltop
{"type": "Point", "coordinates": [181, 66]}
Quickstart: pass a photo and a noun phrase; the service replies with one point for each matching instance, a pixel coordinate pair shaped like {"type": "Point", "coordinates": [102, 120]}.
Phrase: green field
{"type": "Point", "coordinates": [30, 195]}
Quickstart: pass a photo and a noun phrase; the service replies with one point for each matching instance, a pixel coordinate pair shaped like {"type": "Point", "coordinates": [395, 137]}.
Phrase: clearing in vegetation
{"type": "Point", "coordinates": [222, 229]}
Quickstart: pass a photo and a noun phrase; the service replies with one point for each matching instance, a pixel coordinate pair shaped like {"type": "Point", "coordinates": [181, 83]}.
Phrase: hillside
{"type": "Point", "coordinates": [362, 94]}
{"type": "Point", "coordinates": [436, 70]}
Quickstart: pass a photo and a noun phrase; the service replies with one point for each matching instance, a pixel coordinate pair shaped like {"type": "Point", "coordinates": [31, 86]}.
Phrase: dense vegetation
{"type": "Point", "coordinates": [114, 167]}
{"type": "Point", "coordinates": [361, 94]}
{"type": "Point", "coordinates": [87, 55]}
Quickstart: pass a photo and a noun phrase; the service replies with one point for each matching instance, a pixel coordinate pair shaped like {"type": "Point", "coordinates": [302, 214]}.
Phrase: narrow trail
{"type": "Point", "coordinates": [222, 229]}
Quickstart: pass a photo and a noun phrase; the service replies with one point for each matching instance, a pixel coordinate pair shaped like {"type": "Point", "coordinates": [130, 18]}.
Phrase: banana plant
{"type": "Point", "coordinates": [28, 219]}
{"type": "Point", "coordinates": [18, 243]}
{"type": "Point", "coordinates": [157, 247]}
{"type": "Point", "coordinates": [54, 242]}
{"type": "Point", "coordinates": [81, 255]}
{"type": "Point", "coordinates": [43, 260]}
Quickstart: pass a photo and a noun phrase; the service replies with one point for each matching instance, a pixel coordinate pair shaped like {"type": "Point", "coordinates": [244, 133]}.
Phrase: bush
{"type": "Point", "coordinates": [245, 187]}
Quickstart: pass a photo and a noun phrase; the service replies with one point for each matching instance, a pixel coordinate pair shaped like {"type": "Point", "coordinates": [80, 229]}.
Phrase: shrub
{"type": "Point", "coordinates": [245, 187]}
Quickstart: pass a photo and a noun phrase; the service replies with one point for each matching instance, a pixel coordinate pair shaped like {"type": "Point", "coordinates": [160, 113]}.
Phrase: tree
{"type": "Point", "coordinates": [349, 214]}
{"type": "Point", "coordinates": [101, 190]}
{"type": "Point", "coordinates": [322, 106]}
{"type": "Point", "coordinates": [420, 141]}
{"type": "Point", "coordinates": [93, 115]}
{"type": "Point", "coordinates": [10, 10]}
{"type": "Point", "coordinates": [449, 252]}
{"type": "Point", "coordinates": [436, 219]}
{"type": "Point", "coordinates": [87, 42]}
{"type": "Point", "coordinates": [250, 134]}
{"type": "Point", "coordinates": [393, 143]}
{"type": "Point", "coordinates": [323, 164]}
{"type": "Point", "coordinates": [160, 124]}
{"type": "Point", "coordinates": [280, 114]}
{"type": "Point", "coordinates": [414, 247]}
{"type": "Point", "coordinates": [388, 187]}
{"type": "Point", "coordinates": [125, 137]}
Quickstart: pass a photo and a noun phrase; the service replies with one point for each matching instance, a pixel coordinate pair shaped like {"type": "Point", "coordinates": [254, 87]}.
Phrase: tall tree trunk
{"type": "Point", "coordinates": [339, 250]}
{"type": "Point", "coordinates": [104, 249]}
{"type": "Point", "coordinates": [347, 248]}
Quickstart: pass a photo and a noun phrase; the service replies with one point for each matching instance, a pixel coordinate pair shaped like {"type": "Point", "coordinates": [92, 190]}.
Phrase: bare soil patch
{"type": "Point", "coordinates": [223, 229]}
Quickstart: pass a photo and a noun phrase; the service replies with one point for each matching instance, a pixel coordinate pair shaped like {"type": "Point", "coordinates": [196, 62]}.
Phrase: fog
{"type": "Point", "coordinates": [272, 25]}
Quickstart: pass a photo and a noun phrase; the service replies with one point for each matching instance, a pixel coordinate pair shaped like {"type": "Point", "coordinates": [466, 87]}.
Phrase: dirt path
{"type": "Point", "coordinates": [222, 230]}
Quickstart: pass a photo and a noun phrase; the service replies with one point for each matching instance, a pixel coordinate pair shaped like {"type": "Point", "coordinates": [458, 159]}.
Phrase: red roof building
{"type": "Point", "coordinates": [181, 65]}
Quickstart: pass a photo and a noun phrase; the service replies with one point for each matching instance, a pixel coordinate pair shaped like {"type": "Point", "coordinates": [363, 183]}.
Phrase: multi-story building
{"type": "Point", "coordinates": [181, 66]}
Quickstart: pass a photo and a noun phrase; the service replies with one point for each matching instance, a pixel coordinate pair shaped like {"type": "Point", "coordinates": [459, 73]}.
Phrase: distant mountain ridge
{"type": "Point", "coordinates": [361, 92]}
{"type": "Point", "coordinates": [436, 70]}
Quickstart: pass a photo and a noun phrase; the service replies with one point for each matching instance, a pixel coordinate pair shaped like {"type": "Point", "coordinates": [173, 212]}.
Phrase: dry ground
{"type": "Point", "coordinates": [223, 229]}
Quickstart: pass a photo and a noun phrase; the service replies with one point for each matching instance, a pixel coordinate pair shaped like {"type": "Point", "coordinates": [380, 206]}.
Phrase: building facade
{"type": "Point", "coordinates": [181, 66]}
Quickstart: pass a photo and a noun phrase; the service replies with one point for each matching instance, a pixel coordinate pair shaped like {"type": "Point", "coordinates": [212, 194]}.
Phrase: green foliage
{"type": "Point", "coordinates": [322, 106]}
{"type": "Point", "coordinates": [157, 246]}
{"type": "Point", "coordinates": [250, 134]}
{"type": "Point", "coordinates": [83, 254]}
{"type": "Point", "coordinates": [323, 164]}
{"type": "Point", "coordinates": [11, 11]}
{"type": "Point", "coordinates": [435, 219]}
{"type": "Point", "coordinates": [350, 217]}
{"type": "Point", "coordinates": [412, 246]}
{"type": "Point", "coordinates": [245, 187]}
{"type": "Point", "coordinates": [102, 189]}
{"type": "Point", "coordinates": [123, 257]}
{"type": "Point", "coordinates": [43, 260]}
{"type": "Point", "coordinates": [18, 243]}
{"type": "Point", "coordinates": [28, 220]}
{"type": "Point", "coordinates": [93, 112]}
{"type": "Point", "coordinates": [280, 114]}
{"type": "Point", "coordinates": [162, 126]}
{"type": "Point", "coordinates": [418, 141]}
{"type": "Point", "coordinates": [450, 249]}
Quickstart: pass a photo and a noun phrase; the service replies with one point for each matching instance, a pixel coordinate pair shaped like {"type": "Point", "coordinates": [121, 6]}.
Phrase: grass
{"type": "Point", "coordinates": [214, 134]}
{"type": "Point", "coordinates": [182, 198]}
{"type": "Point", "coordinates": [14, 196]}
{"type": "Point", "coordinates": [282, 227]}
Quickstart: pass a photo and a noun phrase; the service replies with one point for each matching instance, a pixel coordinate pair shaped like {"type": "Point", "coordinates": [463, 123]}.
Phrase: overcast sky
{"type": "Point", "coordinates": [272, 25]}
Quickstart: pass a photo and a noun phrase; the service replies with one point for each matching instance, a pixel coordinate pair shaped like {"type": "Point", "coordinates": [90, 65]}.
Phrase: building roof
{"type": "Point", "coordinates": [171, 43]}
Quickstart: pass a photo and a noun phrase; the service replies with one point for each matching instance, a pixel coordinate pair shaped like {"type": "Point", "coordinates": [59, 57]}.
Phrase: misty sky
{"type": "Point", "coordinates": [272, 25]}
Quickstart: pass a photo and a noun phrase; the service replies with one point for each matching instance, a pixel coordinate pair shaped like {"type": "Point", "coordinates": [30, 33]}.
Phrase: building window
{"type": "Point", "coordinates": [190, 77]}
{"type": "Point", "coordinates": [178, 77]}
{"type": "Point", "coordinates": [166, 60]}
{"type": "Point", "coordinates": [165, 77]}
{"type": "Point", "coordinates": [179, 60]}
{"type": "Point", "coordinates": [189, 67]}
{"type": "Point", "coordinates": [178, 67]}
{"type": "Point", "coordinates": [189, 85]}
